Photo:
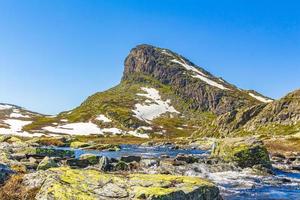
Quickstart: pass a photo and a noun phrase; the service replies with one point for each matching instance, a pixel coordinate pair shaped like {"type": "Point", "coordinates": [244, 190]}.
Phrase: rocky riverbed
{"type": "Point", "coordinates": [239, 168]}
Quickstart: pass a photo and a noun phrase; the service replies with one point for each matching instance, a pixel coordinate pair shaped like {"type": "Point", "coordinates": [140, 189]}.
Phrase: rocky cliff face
{"type": "Point", "coordinates": [192, 83]}
{"type": "Point", "coordinates": [277, 117]}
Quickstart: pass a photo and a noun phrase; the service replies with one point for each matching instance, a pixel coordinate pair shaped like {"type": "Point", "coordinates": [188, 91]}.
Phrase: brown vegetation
{"type": "Point", "coordinates": [13, 189]}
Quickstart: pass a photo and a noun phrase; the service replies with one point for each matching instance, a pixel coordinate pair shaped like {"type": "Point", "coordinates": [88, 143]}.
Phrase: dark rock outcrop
{"type": "Point", "coordinates": [164, 66]}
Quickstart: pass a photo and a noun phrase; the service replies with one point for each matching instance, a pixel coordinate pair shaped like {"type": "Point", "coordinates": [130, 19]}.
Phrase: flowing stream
{"type": "Point", "coordinates": [234, 185]}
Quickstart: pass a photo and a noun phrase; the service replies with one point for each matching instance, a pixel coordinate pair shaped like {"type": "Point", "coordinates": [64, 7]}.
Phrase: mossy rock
{"type": "Point", "coordinates": [91, 158]}
{"type": "Point", "coordinates": [121, 166]}
{"type": "Point", "coordinates": [47, 163]}
{"type": "Point", "coordinates": [52, 152]}
{"type": "Point", "coordinates": [77, 184]}
{"type": "Point", "coordinates": [77, 144]}
{"type": "Point", "coordinates": [245, 152]}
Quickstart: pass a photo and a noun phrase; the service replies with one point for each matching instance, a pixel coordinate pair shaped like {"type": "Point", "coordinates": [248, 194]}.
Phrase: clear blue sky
{"type": "Point", "coordinates": [55, 53]}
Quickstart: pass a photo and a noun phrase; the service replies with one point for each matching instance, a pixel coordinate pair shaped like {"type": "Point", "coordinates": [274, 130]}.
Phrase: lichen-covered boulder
{"type": "Point", "coordinates": [78, 184]}
{"type": "Point", "coordinates": [47, 163]}
{"type": "Point", "coordinates": [245, 152]}
{"type": "Point", "coordinates": [91, 158]}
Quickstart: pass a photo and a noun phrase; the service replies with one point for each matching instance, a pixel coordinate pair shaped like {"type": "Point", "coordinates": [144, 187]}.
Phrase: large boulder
{"type": "Point", "coordinates": [65, 183]}
{"type": "Point", "coordinates": [245, 152]}
{"type": "Point", "coordinates": [91, 158]}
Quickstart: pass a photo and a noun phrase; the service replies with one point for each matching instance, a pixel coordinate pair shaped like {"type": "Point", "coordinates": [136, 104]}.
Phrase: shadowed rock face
{"type": "Point", "coordinates": [164, 66]}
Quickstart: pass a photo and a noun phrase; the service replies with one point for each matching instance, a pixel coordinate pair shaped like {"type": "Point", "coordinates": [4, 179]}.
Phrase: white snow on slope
{"type": "Point", "coordinates": [81, 128]}
{"type": "Point", "coordinates": [136, 133]}
{"type": "Point", "coordinates": [5, 107]}
{"type": "Point", "coordinates": [18, 115]}
{"type": "Point", "coordinates": [114, 131]}
{"type": "Point", "coordinates": [260, 98]}
{"type": "Point", "coordinates": [151, 110]}
{"type": "Point", "coordinates": [210, 82]}
{"type": "Point", "coordinates": [103, 118]}
{"type": "Point", "coordinates": [188, 67]}
{"type": "Point", "coordinates": [15, 128]}
{"type": "Point", "coordinates": [200, 75]}
{"type": "Point", "coordinates": [166, 53]}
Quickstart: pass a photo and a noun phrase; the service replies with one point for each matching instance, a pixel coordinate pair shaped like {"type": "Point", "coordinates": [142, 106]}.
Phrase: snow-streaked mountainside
{"type": "Point", "coordinates": [14, 118]}
{"type": "Point", "coordinates": [162, 94]}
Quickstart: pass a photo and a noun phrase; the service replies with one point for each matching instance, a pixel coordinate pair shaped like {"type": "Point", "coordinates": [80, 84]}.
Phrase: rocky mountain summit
{"type": "Point", "coordinates": [163, 94]}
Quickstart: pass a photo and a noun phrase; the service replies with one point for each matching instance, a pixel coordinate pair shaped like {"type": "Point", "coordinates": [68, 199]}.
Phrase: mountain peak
{"type": "Point", "coordinates": [208, 92]}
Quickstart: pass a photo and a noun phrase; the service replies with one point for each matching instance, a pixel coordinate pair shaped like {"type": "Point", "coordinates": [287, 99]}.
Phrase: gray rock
{"type": "Point", "coordinates": [104, 164]}
{"type": "Point", "coordinates": [47, 163]}
{"type": "Point", "coordinates": [129, 159]}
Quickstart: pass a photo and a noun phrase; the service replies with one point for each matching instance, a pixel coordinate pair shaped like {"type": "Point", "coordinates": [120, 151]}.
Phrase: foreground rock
{"type": "Point", "coordinates": [65, 183]}
{"type": "Point", "coordinates": [245, 152]}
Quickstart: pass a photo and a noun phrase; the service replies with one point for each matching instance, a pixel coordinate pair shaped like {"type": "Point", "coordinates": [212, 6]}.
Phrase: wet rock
{"type": "Point", "coordinates": [108, 147]}
{"type": "Point", "coordinates": [186, 158]}
{"type": "Point", "coordinates": [163, 156]}
{"type": "Point", "coordinates": [246, 152]}
{"type": "Point", "coordinates": [52, 152]}
{"type": "Point", "coordinates": [129, 159]}
{"type": "Point", "coordinates": [121, 166]}
{"type": "Point", "coordinates": [76, 163]}
{"type": "Point", "coordinates": [47, 163]}
{"type": "Point", "coordinates": [91, 158]}
{"type": "Point", "coordinates": [149, 162]}
{"type": "Point", "coordinates": [104, 164]}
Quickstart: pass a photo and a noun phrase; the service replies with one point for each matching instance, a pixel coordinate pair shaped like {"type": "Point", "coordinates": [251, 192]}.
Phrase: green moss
{"type": "Point", "coordinates": [40, 122]}
{"type": "Point", "coordinates": [55, 152]}
{"type": "Point", "coordinates": [77, 144]}
{"type": "Point", "coordinates": [79, 184]}
{"type": "Point", "coordinates": [246, 152]}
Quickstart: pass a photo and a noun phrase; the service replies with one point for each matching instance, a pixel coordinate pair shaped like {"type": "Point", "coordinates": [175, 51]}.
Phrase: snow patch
{"type": "Point", "coordinates": [210, 82]}
{"type": "Point", "coordinates": [200, 75]}
{"type": "Point", "coordinates": [81, 128]}
{"type": "Point", "coordinates": [18, 115]}
{"type": "Point", "coordinates": [5, 107]}
{"type": "Point", "coordinates": [137, 134]}
{"type": "Point", "coordinates": [188, 67]}
{"type": "Point", "coordinates": [166, 53]}
{"type": "Point", "coordinates": [260, 98]}
{"type": "Point", "coordinates": [15, 128]}
{"type": "Point", "coordinates": [153, 107]}
{"type": "Point", "coordinates": [103, 118]}
{"type": "Point", "coordinates": [115, 131]}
